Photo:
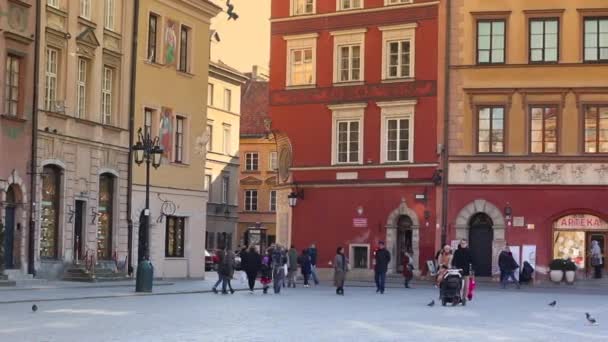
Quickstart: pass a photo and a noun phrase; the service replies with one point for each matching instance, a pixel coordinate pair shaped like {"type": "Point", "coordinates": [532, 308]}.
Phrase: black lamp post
{"type": "Point", "coordinates": [148, 150]}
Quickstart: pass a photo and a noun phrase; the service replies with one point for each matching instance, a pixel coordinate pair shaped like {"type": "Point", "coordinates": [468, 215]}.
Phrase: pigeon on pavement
{"type": "Point", "coordinates": [553, 303]}
{"type": "Point", "coordinates": [34, 308]}
{"type": "Point", "coordinates": [432, 303]}
{"type": "Point", "coordinates": [590, 319]}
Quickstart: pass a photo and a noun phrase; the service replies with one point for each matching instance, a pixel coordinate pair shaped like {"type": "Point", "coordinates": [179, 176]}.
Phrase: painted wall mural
{"type": "Point", "coordinates": [165, 134]}
{"type": "Point", "coordinates": [171, 42]}
{"type": "Point", "coordinates": [529, 173]}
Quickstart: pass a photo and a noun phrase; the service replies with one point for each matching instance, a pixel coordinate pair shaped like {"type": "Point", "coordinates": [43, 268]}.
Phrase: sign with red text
{"type": "Point", "coordinates": [581, 222]}
{"type": "Point", "coordinates": [360, 222]}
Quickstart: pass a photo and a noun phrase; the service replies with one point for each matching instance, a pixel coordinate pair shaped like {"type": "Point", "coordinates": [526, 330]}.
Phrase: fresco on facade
{"type": "Point", "coordinates": [166, 131]}
{"type": "Point", "coordinates": [170, 42]}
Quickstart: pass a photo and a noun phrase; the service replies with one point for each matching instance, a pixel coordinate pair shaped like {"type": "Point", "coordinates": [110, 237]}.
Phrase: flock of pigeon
{"type": "Point", "coordinates": [590, 319]}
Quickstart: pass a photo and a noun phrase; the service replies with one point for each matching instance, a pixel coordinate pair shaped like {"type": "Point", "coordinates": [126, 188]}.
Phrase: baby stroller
{"type": "Point", "coordinates": [450, 288]}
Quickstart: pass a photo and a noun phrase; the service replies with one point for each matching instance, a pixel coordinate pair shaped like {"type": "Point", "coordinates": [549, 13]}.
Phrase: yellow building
{"type": "Point", "coordinates": [528, 126]}
{"type": "Point", "coordinates": [170, 103]}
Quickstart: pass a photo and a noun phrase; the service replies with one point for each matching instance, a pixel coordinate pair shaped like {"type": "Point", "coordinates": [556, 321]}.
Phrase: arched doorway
{"type": "Point", "coordinates": [480, 242]}
{"type": "Point", "coordinates": [9, 227]}
{"type": "Point", "coordinates": [404, 239]}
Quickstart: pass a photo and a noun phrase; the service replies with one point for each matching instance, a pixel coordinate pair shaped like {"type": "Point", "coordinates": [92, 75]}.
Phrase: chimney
{"type": "Point", "coordinates": [254, 73]}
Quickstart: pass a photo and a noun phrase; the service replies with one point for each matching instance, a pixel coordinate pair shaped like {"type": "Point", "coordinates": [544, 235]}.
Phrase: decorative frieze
{"type": "Point", "coordinates": [496, 173]}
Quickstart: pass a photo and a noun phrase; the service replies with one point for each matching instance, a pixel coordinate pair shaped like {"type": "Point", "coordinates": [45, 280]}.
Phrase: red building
{"type": "Point", "coordinates": [353, 84]}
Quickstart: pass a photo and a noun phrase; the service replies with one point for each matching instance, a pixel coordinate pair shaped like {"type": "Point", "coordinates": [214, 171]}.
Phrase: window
{"type": "Point", "coordinates": [106, 96]}
{"type": "Point", "coordinates": [225, 189]}
{"type": "Point", "coordinates": [543, 130]}
{"type": "Point", "coordinates": [349, 50]}
{"type": "Point", "coordinates": [273, 161]}
{"type": "Point", "coordinates": [273, 201]}
{"type": "Point", "coordinates": [210, 94]}
{"type": "Point", "coordinates": [106, 217]}
{"type": "Point", "coordinates": [490, 130]}
{"type": "Point", "coordinates": [49, 217]}
{"type": "Point", "coordinates": [251, 161]}
{"type": "Point", "coordinates": [251, 200]}
{"type": "Point", "coordinates": [490, 41]}
{"type": "Point", "coordinates": [227, 99]}
{"type": "Point", "coordinates": [226, 142]}
{"type": "Point", "coordinates": [184, 49]}
{"type": "Point", "coordinates": [109, 14]}
{"type": "Point", "coordinates": [50, 84]}
{"type": "Point", "coordinates": [360, 256]}
{"type": "Point", "coordinates": [596, 39]}
{"type": "Point", "coordinates": [179, 139]}
{"type": "Point", "coordinates": [300, 7]}
{"type": "Point", "coordinates": [349, 4]}
{"type": "Point", "coordinates": [82, 89]}
{"type": "Point", "coordinates": [12, 85]}
{"type": "Point", "coordinates": [347, 133]}
{"type": "Point", "coordinates": [208, 186]}
{"type": "Point", "coordinates": [301, 67]}
{"type": "Point", "coordinates": [397, 127]}
{"type": "Point", "coordinates": [596, 129]}
{"type": "Point", "coordinates": [152, 38]}
{"type": "Point", "coordinates": [349, 59]}
{"type": "Point", "coordinates": [397, 2]}
{"type": "Point", "coordinates": [210, 239]}
{"type": "Point", "coordinates": [210, 141]}
{"type": "Point", "coordinates": [397, 139]}
{"type": "Point", "coordinates": [348, 141]}
{"type": "Point", "coordinates": [544, 40]}
{"type": "Point", "coordinates": [175, 234]}
{"type": "Point", "coordinates": [53, 3]}
{"type": "Point", "coordinates": [398, 51]}
{"type": "Point", "coordinates": [148, 117]}
{"type": "Point", "coordinates": [85, 9]}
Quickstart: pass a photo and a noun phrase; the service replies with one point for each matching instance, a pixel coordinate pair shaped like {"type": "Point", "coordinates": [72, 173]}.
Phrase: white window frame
{"type": "Point", "coordinates": [349, 38]}
{"type": "Point", "coordinates": [351, 254]}
{"type": "Point", "coordinates": [301, 42]}
{"type": "Point", "coordinates": [270, 201]}
{"type": "Point", "coordinates": [396, 110]}
{"type": "Point", "coordinates": [81, 85]}
{"type": "Point", "coordinates": [85, 9]}
{"type": "Point", "coordinates": [347, 112]}
{"type": "Point", "coordinates": [249, 167]}
{"type": "Point", "coordinates": [109, 14]}
{"type": "Point", "coordinates": [340, 5]}
{"type": "Point", "coordinates": [50, 91]}
{"type": "Point", "coordinates": [225, 189]}
{"type": "Point", "coordinates": [397, 2]}
{"type": "Point", "coordinates": [293, 7]}
{"type": "Point", "coordinates": [273, 161]}
{"type": "Point", "coordinates": [406, 32]}
{"type": "Point", "coordinates": [107, 84]}
{"type": "Point", "coordinates": [227, 99]}
{"type": "Point", "coordinates": [226, 144]}
{"type": "Point", "coordinates": [53, 3]}
{"type": "Point", "coordinates": [249, 202]}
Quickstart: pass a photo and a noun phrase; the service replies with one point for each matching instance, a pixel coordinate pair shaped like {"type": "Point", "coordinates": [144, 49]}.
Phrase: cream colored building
{"type": "Point", "coordinates": [83, 137]}
{"type": "Point", "coordinates": [222, 167]}
{"type": "Point", "coordinates": [171, 103]}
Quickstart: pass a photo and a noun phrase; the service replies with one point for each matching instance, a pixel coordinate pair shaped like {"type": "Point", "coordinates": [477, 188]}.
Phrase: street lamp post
{"type": "Point", "coordinates": [148, 150]}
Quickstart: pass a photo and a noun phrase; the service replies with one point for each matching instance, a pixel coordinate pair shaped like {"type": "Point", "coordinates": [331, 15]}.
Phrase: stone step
{"type": "Point", "coordinates": [17, 275]}
{"type": "Point", "coordinates": [5, 283]}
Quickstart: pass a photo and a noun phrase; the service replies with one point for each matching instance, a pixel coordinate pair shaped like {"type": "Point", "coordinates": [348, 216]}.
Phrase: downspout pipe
{"type": "Point", "coordinates": [31, 268]}
{"type": "Point", "coordinates": [446, 123]}
{"type": "Point", "coordinates": [131, 135]}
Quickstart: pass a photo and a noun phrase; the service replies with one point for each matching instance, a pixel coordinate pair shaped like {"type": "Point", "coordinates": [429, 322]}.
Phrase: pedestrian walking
{"type": "Point", "coordinates": [507, 266]}
{"type": "Point", "coordinates": [217, 261]}
{"type": "Point", "coordinates": [292, 269]}
{"type": "Point", "coordinates": [463, 260]}
{"type": "Point", "coordinates": [597, 260]}
{"type": "Point", "coordinates": [312, 252]}
{"type": "Point", "coordinates": [266, 271]}
{"type": "Point", "coordinates": [340, 269]}
{"type": "Point", "coordinates": [305, 266]}
{"type": "Point", "coordinates": [408, 269]}
{"type": "Point", "coordinates": [382, 257]}
{"type": "Point", "coordinates": [252, 266]}
{"type": "Point", "coordinates": [279, 263]}
{"type": "Point", "coordinates": [227, 271]}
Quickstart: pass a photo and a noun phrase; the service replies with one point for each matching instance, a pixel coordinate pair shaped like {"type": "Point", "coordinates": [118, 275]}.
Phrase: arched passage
{"type": "Point", "coordinates": [402, 232]}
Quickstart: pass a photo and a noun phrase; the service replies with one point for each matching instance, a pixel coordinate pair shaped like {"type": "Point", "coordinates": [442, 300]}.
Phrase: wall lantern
{"type": "Point", "coordinates": [427, 216]}
{"type": "Point", "coordinates": [294, 195]}
{"type": "Point", "coordinates": [508, 211]}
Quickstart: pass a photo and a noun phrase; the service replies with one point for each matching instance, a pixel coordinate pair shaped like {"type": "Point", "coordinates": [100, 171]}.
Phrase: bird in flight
{"type": "Point", "coordinates": [553, 303]}
{"type": "Point", "coordinates": [230, 11]}
{"type": "Point", "coordinates": [590, 319]}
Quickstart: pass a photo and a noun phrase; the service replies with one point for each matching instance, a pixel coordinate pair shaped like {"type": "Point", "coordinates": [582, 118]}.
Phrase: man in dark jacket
{"type": "Point", "coordinates": [383, 257]}
{"type": "Point", "coordinates": [312, 253]}
{"type": "Point", "coordinates": [251, 264]}
{"type": "Point", "coordinates": [463, 260]}
{"type": "Point", "coordinates": [226, 270]}
{"type": "Point", "coordinates": [507, 265]}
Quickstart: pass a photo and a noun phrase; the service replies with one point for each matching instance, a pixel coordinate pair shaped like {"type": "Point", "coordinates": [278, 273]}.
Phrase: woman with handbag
{"type": "Point", "coordinates": [408, 269]}
{"type": "Point", "coordinates": [340, 269]}
{"type": "Point", "coordinates": [596, 259]}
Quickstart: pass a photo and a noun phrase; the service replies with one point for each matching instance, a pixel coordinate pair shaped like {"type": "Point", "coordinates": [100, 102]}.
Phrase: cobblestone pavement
{"type": "Point", "coordinates": [301, 314]}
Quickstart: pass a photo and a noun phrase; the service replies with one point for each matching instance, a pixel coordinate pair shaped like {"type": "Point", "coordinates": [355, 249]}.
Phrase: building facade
{"type": "Point", "coordinates": [171, 104]}
{"type": "Point", "coordinates": [83, 137]}
{"type": "Point", "coordinates": [16, 114]}
{"type": "Point", "coordinates": [353, 84]}
{"type": "Point", "coordinates": [223, 162]}
{"type": "Point", "coordinates": [257, 190]}
{"type": "Point", "coordinates": [528, 129]}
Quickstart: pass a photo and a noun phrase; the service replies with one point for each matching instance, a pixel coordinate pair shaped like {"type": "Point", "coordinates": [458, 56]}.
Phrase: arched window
{"type": "Point", "coordinates": [106, 220]}
{"type": "Point", "coordinates": [49, 227]}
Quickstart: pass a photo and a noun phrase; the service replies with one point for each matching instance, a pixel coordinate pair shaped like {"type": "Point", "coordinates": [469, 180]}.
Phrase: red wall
{"type": "Point", "coordinates": [540, 206]}
{"type": "Point", "coordinates": [280, 8]}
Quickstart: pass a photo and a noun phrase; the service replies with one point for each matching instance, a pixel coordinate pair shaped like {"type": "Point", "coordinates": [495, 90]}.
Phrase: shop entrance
{"type": "Point", "coordinates": [572, 236]}
{"type": "Point", "coordinates": [601, 239]}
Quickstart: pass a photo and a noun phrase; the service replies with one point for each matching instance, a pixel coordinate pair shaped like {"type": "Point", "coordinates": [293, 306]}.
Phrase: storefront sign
{"type": "Point", "coordinates": [360, 222]}
{"type": "Point", "coordinates": [581, 222]}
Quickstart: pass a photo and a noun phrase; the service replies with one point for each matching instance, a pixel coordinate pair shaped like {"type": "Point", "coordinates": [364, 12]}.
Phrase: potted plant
{"type": "Point", "coordinates": [556, 272]}
{"type": "Point", "coordinates": [570, 271]}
